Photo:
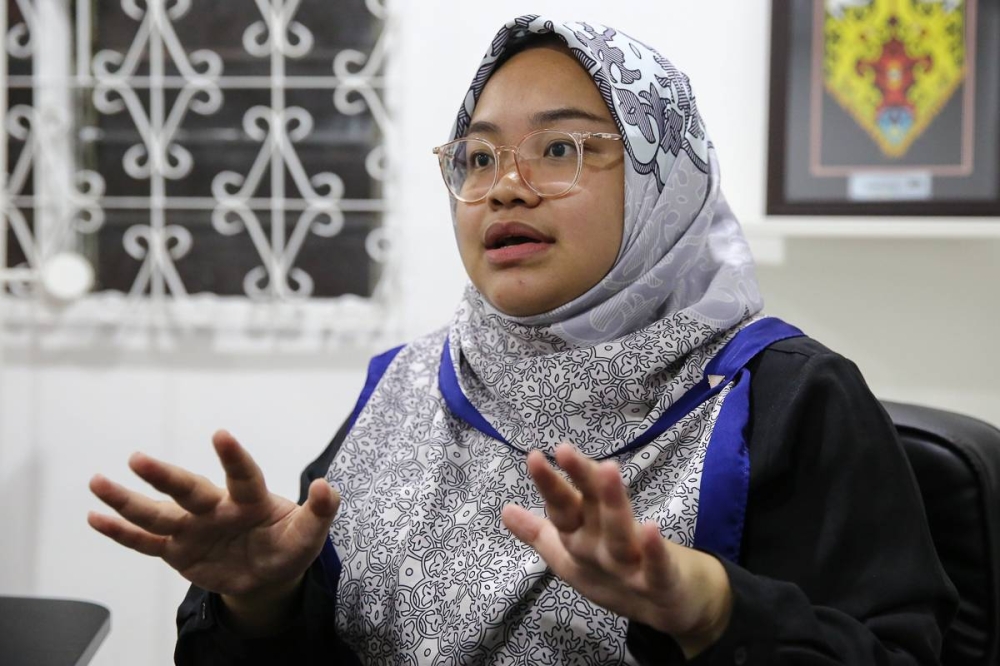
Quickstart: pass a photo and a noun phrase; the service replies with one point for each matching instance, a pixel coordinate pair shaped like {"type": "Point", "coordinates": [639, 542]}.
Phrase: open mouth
{"type": "Point", "coordinates": [512, 240]}
{"type": "Point", "coordinates": [509, 234]}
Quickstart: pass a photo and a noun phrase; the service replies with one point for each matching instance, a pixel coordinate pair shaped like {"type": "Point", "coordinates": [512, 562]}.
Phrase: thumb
{"type": "Point", "coordinates": [311, 522]}
{"type": "Point", "coordinates": [321, 504]}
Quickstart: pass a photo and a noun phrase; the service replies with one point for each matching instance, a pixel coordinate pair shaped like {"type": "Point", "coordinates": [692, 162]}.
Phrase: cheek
{"type": "Point", "coordinates": [465, 232]}
{"type": "Point", "coordinates": [610, 221]}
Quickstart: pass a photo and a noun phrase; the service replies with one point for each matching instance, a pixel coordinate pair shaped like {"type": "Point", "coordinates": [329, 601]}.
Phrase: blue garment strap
{"type": "Point", "coordinates": [746, 344]}
{"type": "Point", "coordinates": [456, 400]}
{"type": "Point", "coordinates": [725, 475]}
{"type": "Point", "coordinates": [376, 368]}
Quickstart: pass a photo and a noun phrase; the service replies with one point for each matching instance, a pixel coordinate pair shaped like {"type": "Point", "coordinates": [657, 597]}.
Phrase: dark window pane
{"type": "Point", "coordinates": [218, 263]}
{"type": "Point", "coordinates": [215, 142]}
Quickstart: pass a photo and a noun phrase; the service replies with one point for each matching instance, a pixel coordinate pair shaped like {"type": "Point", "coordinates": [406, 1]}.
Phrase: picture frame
{"type": "Point", "coordinates": [884, 108]}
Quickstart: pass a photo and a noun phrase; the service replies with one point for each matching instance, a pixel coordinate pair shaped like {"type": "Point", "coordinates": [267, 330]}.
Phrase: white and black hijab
{"type": "Point", "coordinates": [644, 368]}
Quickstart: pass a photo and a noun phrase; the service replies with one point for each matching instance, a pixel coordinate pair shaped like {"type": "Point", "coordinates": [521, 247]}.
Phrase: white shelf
{"type": "Point", "coordinates": [767, 237]}
{"type": "Point", "coordinates": [783, 227]}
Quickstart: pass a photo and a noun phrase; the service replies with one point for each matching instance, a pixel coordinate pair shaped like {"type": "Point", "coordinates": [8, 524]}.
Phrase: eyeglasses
{"type": "Point", "coordinates": [548, 161]}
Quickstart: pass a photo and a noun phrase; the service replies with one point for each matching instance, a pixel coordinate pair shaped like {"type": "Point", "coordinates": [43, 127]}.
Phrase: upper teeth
{"type": "Point", "coordinates": [513, 240]}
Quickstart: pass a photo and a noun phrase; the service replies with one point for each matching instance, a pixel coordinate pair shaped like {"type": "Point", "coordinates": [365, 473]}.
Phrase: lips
{"type": "Point", "coordinates": [511, 244]}
{"type": "Point", "coordinates": [501, 235]}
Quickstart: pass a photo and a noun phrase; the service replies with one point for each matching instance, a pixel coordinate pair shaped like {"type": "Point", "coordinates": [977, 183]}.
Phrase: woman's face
{"type": "Point", "coordinates": [561, 246]}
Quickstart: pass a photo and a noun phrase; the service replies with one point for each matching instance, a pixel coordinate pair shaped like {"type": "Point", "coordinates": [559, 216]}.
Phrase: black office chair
{"type": "Point", "coordinates": [956, 460]}
{"type": "Point", "coordinates": [50, 632]}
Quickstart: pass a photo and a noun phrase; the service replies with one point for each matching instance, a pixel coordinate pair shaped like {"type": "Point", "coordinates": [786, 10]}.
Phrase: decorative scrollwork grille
{"type": "Point", "coordinates": [186, 148]}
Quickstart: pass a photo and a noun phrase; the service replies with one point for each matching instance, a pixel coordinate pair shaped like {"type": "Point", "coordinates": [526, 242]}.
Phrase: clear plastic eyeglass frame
{"type": "Point", "coordinates": [446, 152]}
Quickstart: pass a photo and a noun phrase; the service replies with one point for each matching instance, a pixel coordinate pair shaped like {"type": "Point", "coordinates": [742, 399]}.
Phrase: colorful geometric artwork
{"type": "Point", "coordinates": [894, 64]}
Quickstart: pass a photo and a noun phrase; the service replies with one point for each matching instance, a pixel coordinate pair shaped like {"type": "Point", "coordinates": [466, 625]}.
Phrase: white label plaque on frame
{"type": "Point", "coordinates": [898, 186]}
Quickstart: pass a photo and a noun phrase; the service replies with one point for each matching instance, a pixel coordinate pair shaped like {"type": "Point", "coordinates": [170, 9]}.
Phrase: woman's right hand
{"type": "Point", "coordinates": [243, 542]}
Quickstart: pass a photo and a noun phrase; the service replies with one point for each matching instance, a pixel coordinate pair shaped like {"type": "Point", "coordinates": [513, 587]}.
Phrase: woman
{"type": "Point", "coordinates": [733, 492]}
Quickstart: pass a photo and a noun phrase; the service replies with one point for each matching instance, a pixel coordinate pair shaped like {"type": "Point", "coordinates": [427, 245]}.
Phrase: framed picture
{"type": "Point", "coordinates": [884, 107]}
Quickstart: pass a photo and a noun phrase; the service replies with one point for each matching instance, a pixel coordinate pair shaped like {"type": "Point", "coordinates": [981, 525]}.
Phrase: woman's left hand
{"type": "Point", "coordinates": [592, 541]}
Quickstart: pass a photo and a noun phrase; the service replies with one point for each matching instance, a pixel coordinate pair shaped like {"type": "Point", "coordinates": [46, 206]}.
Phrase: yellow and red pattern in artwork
{"type": "Point", "coordinates": [893, 64]}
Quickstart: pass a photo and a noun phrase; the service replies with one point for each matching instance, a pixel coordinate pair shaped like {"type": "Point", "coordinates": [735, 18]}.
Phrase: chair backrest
{"type": "Point", "coordinates": [51, 632]}
{"type": "Point", "coordinates": [956, 460]}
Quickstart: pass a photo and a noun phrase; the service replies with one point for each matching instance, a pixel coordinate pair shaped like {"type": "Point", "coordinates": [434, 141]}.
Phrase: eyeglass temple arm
{"type": "Point", "coordinates": [600, 135]}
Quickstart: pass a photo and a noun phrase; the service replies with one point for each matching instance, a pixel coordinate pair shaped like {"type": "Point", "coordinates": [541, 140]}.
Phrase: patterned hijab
{"type": "Point", "coordinates": [683, 281]}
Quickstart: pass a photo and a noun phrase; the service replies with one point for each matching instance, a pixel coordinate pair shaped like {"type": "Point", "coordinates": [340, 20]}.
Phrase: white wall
{"type": "Point", "coordinates": [919, 316]}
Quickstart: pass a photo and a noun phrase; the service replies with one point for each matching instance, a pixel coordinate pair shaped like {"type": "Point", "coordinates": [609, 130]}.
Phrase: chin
{"type": "Point", "coordinates": [516, 305]}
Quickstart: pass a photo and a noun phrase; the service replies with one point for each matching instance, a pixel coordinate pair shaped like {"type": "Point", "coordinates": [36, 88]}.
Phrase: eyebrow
{"type": "Point", "coordinates": [540, 119]}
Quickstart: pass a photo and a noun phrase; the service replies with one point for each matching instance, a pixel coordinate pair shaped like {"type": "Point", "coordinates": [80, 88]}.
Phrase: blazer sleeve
{"type": "Point", "coordinates": [837, 562]}
{"type": "Point", "coordinates": [205, 638]}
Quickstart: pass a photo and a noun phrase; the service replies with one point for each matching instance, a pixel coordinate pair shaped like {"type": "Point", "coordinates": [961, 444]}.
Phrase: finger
{"type": "Point", "coordinates": [192, 492]}
{"type": "Point", "coordinates": [617, 521]}
{"type": "Point", "coordinates": [128, 535]}
{"type": "Point", "coordinates": [542, 536]}
{"type": "Point", "coordinates": [562, 501]}
{"type": "Point", "coordinates": [658, 564]}
{"type": "Point", "coordinates": [163, 518]}
{"type": "Point", "coordinates": [581, 470]}
{"type": "Point", "coordinates": [244, 480]}
{"type": "Point", "coordinates": [523, 524]}
{"type": "Point", "coordinates": [313, 523]}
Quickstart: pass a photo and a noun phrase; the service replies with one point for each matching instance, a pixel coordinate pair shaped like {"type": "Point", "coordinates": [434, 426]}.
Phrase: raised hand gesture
{"type": "Point", "coordinates": [592, 541]}
{"type": "Point", "coordinates": [241, 541]}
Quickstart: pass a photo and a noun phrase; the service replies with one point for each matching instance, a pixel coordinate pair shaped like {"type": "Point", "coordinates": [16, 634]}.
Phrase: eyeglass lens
{"type": "Point", "coordinates": [548, 161]}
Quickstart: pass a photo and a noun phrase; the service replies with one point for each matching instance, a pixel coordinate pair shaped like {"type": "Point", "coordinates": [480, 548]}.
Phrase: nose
{"type": "Point", "coordinates": [510, 188]}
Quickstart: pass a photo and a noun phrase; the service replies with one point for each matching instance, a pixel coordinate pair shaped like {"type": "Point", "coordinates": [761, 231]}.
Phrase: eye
{"type": "Point", "coordinates": [480, 159]}
{"type": "Point", "coordinates": [561, 149]}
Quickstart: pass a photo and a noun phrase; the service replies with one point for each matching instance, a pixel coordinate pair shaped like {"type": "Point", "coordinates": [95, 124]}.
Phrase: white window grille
{"type": "Point", "coordinates": [120, 168]}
